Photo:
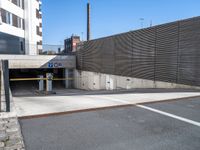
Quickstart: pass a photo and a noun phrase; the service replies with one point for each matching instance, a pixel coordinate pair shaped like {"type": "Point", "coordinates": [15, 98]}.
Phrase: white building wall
{"type": "Point", "coordinates": [8, 29]}
{"type": "Point", "coordinates": [12, 8]}
{"type": "Point", "coordinates": [9, 6]}
{"type": "Point", "coordinates": [97, 81]}
{"type": "Point", "coordinates": [31, 21]}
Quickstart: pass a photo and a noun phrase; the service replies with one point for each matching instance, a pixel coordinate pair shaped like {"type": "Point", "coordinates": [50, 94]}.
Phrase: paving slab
{"type": "Point", "coordinates": [75, 100]}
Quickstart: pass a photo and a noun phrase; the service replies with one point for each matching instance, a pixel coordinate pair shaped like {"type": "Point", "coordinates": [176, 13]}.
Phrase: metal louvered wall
{"type": "Point", "coordinates": [168, 52]}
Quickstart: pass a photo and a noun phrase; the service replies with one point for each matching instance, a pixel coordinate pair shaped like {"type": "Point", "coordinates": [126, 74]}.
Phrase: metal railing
{"type": "Point", "coordinates": [13, 46]}
{"type": "Point", "coordinates": [48, 49]}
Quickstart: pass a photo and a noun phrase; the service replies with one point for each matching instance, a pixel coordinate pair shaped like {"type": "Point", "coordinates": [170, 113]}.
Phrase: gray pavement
{"type": "Point", "coordinates": [125, 128]}
{"type": "Point", "coordinates": [187, 108]}
{"type": "Point", "coordinates": [30, 104]}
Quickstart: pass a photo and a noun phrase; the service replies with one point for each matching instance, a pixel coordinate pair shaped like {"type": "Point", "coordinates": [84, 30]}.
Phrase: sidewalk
{"type": "Point", "coordinates": [79, 100]}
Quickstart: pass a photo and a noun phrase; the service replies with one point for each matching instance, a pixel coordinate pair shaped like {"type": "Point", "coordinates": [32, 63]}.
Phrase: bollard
{"type": "Point", "coordinates": [49, 79]}
{"type": "Point", "coordinates": [41, 83]}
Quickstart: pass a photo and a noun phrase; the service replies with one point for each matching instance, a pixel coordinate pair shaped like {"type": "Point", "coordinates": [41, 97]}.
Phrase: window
{"type": "Point", "coordinates": [15, 20]}
{"type": "Point", "coordinates": [23, 24]}
{"type": "Point", "coordinates": [22, 4]}
{"type": "Point", "coordinates": [19, 3]}
{"type": "Point", "coordinates": [15, 2]}
{"type": "Point", "coordinates": [38, 31]}
{"type": "Point", "coordinates": [22, 46]}
{"type": "Point", "coordinates": [12, 19]}
{"type": "Point", "coordinates": [38, 15]}
{"type": "Point", "coordinates": [3, 15]}
{"type": "Point", "coordinates": [39, 43]}
{"type": "Point", "coordinates": [40, 7]}
{"type": "Point", "coordinates": [6, 16]}
{"type": "Point", "coordinates": [19, 22]}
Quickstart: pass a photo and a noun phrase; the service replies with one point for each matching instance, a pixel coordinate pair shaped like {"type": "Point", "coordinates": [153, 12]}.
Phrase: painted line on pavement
{"type": "Point", "coordinates": [124, 104]}
{"type": "Point", "coordinates": [157, 111]}
{"type": "Point", "coordinates": [170, 115]}
{"type": "Point", "coordinates": [112, 99]}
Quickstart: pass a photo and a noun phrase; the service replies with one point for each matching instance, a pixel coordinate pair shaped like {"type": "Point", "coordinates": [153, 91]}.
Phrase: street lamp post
{"type": "Point", "coordinates": [82, 35]}
{"type": "Point", "coordinates": [142, 22]}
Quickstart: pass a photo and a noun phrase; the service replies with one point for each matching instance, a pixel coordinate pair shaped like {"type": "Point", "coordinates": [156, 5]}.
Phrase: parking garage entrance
{"type": "Point", "coordinates": [40, 80]}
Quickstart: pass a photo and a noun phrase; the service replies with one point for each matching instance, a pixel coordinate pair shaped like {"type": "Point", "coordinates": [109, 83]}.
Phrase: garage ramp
{"type": "Point", "coordinates": [29, 104]}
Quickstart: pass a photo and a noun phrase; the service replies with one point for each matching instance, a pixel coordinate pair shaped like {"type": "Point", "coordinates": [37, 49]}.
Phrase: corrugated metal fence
{"type": "Point", "coordinates": [168, 52]}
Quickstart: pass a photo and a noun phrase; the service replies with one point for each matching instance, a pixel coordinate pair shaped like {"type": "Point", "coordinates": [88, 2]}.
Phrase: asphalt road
{"type": "Point", "coordinates": [125, 128]}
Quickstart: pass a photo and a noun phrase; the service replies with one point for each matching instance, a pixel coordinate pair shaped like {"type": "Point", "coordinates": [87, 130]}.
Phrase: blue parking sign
{"type": "Point", "coordinates": [50, 65]}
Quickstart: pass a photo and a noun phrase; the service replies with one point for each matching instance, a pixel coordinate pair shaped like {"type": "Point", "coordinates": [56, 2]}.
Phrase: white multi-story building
{"type": "Point", "coordinates": [20, 27]}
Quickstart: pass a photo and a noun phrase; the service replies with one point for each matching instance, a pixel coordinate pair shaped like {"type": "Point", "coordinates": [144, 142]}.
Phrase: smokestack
{"type": "Point", "coordinates": [88, 21]}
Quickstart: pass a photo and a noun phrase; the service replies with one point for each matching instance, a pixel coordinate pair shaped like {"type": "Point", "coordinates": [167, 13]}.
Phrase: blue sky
{"type": "Point", "coordinates": [62, 18]}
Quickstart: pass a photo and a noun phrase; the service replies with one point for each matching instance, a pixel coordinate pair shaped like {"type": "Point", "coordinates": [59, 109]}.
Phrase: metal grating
{"type": "Point", "coordinates": [143, 54]}
{"type": "Point", "coordinates": [168, 52]}
{"type": "Point", "coordinates": [123, 54]}
{"type": "Point", "coordinates": [108, 56]}
{"type": "Point", "coordinates": [189, 51]}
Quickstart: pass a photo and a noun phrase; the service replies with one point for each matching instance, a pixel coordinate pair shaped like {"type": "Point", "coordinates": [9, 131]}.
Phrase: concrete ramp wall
{"type": "Point", "coordinates": [99, 81]}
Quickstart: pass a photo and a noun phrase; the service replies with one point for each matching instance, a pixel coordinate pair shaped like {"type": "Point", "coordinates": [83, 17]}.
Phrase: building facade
{"type": "Point", "coordinates": [20, 27]}
{"type": "Point", "coordinates": [71, 44]}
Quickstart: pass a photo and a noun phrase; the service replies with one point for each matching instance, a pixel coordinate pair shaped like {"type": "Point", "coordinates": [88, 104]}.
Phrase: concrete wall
{"type": "Point", "coordinates": [39, 61]}
{"type": "Point", "coordinates": [98, 81]}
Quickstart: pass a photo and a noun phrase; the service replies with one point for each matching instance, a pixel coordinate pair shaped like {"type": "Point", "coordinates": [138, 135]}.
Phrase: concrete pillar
{"type": "Point", "coordinates": [66, 76]}
{"type": "Point", "coordinates": [69, 74]}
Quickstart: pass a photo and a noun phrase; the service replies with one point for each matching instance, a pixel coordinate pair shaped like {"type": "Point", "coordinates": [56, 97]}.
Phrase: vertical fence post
{"type": "Point", "coordinates": [5, 69]}
{"type": "Point", "coordinates": [0, 85]}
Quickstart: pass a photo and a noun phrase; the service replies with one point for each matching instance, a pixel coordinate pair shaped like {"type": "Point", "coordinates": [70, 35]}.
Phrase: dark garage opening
{"type": "Point", "coordinates": [33, 86]}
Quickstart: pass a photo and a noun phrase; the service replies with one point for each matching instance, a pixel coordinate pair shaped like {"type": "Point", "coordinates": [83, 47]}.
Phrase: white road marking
{"type": "Point", "coordinates": [171, 115]}
{"type": "Point", "coordinates": [155, 110]}
{"type": "Point", "coordinates": [113, 99]}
